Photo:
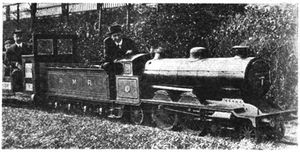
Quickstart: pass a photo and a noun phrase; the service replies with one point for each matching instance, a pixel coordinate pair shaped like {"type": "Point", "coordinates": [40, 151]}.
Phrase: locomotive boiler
{"type": "Point", "coordinates": [238, 77]}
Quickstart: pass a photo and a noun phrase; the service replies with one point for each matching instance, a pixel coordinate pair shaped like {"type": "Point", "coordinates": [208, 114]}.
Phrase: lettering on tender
{"type": "Point", "coordinates": [74, 81]}
{"type": "Point", "coordinates": [89, 82]}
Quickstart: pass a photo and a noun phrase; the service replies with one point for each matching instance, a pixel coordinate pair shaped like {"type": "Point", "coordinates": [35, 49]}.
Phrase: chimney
{"type": "Point", "coordinates": [158, 53]}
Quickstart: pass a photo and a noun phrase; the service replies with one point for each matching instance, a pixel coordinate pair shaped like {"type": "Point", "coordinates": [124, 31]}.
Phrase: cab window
{"type": "Point", "coordinates": [64, 46]}
{"type": "Point", "coordinates": [45, 46]}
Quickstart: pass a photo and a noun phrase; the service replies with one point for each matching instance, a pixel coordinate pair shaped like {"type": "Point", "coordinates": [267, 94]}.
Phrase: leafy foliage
{"type": "Point", "coordinates": [179, 27]}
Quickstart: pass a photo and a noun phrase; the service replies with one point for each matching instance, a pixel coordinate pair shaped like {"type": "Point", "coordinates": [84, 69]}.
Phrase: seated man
{"type": "Point", "coordinates": [116, 46]}
{"type": "Point", "coordinates": [13, 59]}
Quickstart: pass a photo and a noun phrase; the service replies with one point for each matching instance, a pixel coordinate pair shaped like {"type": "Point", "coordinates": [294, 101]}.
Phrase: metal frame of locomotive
{"type": "Point", "coordinates": [206, 95]}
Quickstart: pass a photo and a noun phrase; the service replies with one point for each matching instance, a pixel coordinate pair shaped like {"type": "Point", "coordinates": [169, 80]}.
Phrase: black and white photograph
{"type": "Point", "coordinates": [144, 75]}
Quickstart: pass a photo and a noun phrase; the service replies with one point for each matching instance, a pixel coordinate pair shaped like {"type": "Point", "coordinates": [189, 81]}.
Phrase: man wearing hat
{"type": "Point", "coordinates": [13, 58]}
{"type": "Point", "coordinates": [116, 46]}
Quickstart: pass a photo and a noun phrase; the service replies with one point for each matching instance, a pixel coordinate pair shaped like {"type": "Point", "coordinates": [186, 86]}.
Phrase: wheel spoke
{"type": "Point", "coordinates": [247, 132]}
{"type": "Point", "coordinates": [136, 115]}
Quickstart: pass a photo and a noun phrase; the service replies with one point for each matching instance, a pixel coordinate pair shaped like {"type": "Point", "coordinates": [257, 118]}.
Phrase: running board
{"type": "Point", "coordinates": [172, 88]}
{"type": "Point", "coordinates": [188, 105]}
{"type": "Point", "coordinates": [289, 114]}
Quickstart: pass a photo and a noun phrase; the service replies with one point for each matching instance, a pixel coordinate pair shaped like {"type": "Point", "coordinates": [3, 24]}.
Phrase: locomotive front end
{"type": "Point", "coordinates": [257, 79]}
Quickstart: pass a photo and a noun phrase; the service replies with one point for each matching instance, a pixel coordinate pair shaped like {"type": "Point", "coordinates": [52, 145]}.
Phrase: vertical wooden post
{"type": "Point", "coordinates": [128, 6]}
{"type": "Point", "coordinates": [18, 16]}
{"type": "Point", "coordinates": [33, 9]}
{"type": "Point", "coordinates": [8, 13]}
{"type": "Point", "coordinates": [158, 8]}
{"type": "Point", "coordinates": [99, 8]}
{"type": "Point", "coordinates": [65, 12]}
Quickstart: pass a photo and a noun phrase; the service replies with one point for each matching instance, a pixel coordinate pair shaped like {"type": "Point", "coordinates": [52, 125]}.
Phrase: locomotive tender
{"type": "Point", "coordinates": [201, 94]}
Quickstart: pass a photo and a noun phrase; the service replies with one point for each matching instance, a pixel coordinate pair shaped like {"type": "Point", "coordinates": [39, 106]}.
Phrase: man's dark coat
{"type": "Point", "coordinates": [112, 51]}
{"type": "Point", "coordinates": [14, 53]}
{"type": "Point", "coordinates": [12, 56]}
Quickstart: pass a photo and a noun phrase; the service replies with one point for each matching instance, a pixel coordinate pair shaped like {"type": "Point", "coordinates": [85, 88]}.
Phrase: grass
{"type": "Point", "coordinates": [31, 128]}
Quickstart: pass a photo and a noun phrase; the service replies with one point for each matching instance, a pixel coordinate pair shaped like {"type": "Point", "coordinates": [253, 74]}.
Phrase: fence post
{"type": "Point", "coordinates": [65, 12]}
{"type": "Point", "coordinates": [18, 16]}
{"type": "Point", "coordinates": [99, 8]}
{"type": "Point", "coordinates": [33, 9]}
{"type": "Point", "coordinates": [128, 6]}
{"type": "Point", "coordinates": [8, 13]}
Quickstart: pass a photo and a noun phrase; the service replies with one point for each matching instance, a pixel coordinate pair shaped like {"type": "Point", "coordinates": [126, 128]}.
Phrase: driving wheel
{"type": "Point", "coordinates": [164, 119]}
{"type": "Point", "coordinates": [247, 132]}
{"type": "Point", "coordinates": [136, 115]}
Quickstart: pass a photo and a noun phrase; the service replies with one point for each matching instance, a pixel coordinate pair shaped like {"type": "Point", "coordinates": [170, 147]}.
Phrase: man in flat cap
{"type": "Point", "coordinates": [13, 58]}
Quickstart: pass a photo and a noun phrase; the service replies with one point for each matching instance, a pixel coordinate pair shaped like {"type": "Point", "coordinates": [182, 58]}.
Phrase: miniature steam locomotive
{"type": "Point", "coordinates": [196, 93]}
